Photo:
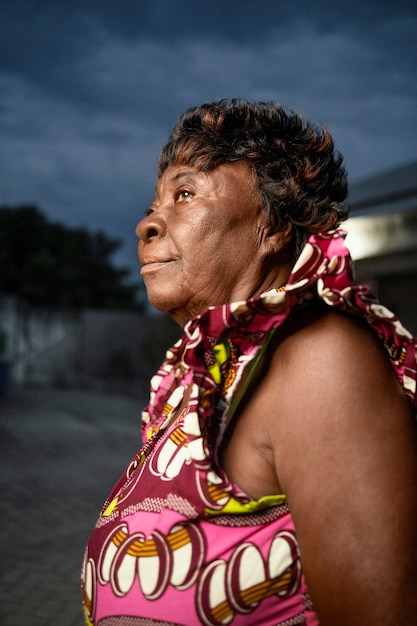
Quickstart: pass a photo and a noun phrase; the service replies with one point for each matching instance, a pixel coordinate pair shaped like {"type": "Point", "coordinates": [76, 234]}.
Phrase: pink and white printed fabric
{"type": "Point", "coordinates": [177, 543]}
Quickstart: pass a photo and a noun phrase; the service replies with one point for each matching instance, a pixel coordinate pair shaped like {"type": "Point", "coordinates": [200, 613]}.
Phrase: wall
{"type": "Point", "coordinates": [83, 348]}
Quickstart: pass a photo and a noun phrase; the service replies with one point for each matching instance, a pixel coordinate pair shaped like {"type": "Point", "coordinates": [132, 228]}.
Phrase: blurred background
{"type": "Point", "coordinates": [89, 91]}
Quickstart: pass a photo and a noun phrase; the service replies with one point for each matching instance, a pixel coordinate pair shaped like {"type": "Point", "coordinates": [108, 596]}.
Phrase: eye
{"type": "Point", "coordinates": [183, 195]}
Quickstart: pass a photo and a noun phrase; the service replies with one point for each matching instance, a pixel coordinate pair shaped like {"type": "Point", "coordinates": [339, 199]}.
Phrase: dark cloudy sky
{"type": "Point", "coordinates": [89, 89]}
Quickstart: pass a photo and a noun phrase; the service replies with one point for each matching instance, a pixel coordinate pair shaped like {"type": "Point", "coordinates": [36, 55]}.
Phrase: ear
{"type": "Point", "coordinates": [278, 240]}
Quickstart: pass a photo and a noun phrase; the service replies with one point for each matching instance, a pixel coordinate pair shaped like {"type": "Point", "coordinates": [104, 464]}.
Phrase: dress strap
{"type": "Point", "coordinates": [250, 373]}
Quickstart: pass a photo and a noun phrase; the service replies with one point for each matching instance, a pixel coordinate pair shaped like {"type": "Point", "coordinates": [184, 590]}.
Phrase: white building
{"type": "Point", "coordinates": [382, 237]}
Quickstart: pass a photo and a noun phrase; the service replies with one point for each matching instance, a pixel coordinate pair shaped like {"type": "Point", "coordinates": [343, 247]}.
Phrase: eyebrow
{"type": "Point", "coordinates": [178, 176]}
{"type": "Point", "coordinates": [182, 175]}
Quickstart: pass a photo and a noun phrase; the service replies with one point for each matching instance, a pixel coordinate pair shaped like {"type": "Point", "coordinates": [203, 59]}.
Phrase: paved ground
{"type": "Point", "coordinates": [61, 451]}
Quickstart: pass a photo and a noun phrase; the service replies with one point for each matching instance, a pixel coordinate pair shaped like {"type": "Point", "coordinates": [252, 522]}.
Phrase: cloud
{"type": "Point", "coordinates": [88, 94]}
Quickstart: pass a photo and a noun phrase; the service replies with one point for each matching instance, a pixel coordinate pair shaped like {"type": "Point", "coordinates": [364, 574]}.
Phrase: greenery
{"type": "Point", "coordinates": [48, 264]}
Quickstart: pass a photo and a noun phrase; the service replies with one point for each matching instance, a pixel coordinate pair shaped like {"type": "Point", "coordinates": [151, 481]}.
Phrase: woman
{"type": "Point", "coordinates": [278, 481]}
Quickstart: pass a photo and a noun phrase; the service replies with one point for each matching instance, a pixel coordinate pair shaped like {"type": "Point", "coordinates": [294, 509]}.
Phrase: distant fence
{"type": "Point", "coordinates": [83, 348]}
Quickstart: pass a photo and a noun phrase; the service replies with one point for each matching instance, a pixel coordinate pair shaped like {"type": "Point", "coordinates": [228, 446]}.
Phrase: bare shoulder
{"type": "Point", "coordinates": [345, 451]}
{"type": "Point", "coordinates": [329, 337]}
{"type": "Point", "coordinates": [334, 377]}
{"type": "Point", "coordinates": [330, 356]}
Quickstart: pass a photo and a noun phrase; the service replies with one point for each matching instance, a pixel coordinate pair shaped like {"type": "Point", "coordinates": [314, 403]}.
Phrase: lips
{"type": "Point", "coordinates": [153, 265]}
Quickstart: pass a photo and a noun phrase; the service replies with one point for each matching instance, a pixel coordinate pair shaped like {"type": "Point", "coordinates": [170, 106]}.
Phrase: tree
{"type": "Point", "coordinates": [46, 263]}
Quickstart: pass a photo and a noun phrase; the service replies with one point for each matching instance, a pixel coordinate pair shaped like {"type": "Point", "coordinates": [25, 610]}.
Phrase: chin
{"type": "Point", "coordinates": [159, 305]}
{"type": "Point", "coordinates": [174, 302]}
{"type": "Point", "coordinates": [161, 301]}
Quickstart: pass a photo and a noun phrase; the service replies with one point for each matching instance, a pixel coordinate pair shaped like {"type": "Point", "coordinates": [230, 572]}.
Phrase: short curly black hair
{"type": "Point", "coordinates": [299, 173]}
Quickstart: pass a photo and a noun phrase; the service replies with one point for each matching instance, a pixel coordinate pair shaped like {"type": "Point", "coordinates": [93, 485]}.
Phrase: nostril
{"type": "Point", "coordinates": [152, 232]}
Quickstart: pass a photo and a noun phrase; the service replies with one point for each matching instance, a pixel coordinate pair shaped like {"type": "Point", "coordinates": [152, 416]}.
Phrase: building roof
{"type": "Point", "coordinates": [391, 191]}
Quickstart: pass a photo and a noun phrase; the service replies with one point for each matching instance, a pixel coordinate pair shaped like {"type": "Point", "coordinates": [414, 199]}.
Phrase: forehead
{"type": "Point", "coordinates": [224, 176]}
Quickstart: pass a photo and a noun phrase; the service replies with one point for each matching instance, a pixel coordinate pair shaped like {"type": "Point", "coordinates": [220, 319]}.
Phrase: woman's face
{"type": "Point", "coordinates": [204, 240]}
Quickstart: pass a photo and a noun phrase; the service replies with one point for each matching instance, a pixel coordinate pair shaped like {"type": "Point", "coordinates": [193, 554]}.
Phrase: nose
{"type": "Point", "coordinates": [150, 227]}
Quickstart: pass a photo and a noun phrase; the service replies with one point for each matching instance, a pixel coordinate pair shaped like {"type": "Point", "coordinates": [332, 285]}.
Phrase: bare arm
{"type": "Point", "coordinates": [345, 451]}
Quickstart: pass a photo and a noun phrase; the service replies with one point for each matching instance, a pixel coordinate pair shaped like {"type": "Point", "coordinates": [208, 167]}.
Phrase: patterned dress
{"type": "Point", "coordinates": [177, 542]}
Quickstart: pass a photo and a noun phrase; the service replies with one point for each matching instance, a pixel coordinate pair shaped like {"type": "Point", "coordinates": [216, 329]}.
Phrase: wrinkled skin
{"type": "Point", "coordinates": [327, 422]}
{"type": "Point", "coordinates": [205, 241]}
